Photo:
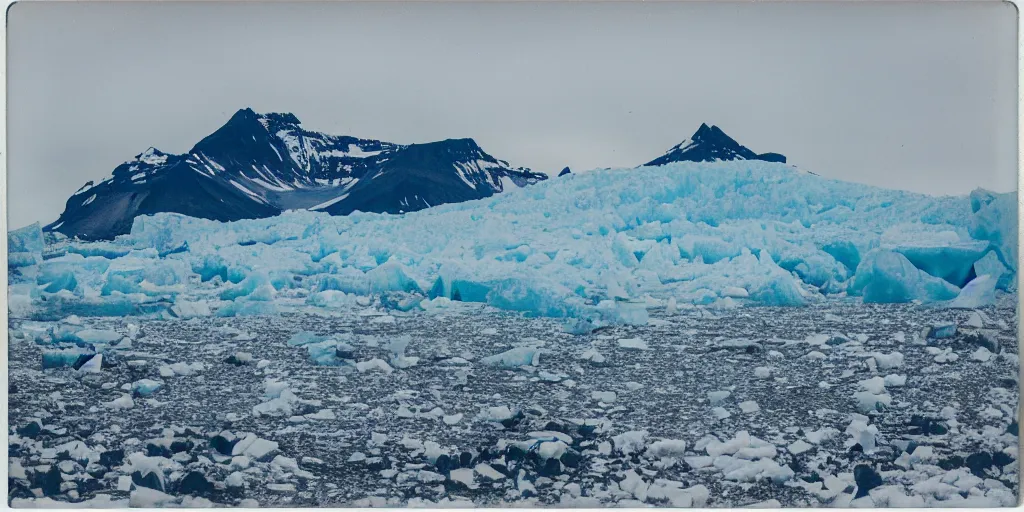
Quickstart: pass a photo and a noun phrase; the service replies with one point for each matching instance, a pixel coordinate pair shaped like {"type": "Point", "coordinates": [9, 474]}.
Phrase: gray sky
{"type": "Point", "coordinates": [914, 96]}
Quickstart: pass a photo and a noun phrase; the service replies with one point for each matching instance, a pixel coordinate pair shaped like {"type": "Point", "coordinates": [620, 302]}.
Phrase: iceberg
{"type": "Point", "coordinates": [596, 250]}
{"type": "Point", "coordinates": [887, 276]}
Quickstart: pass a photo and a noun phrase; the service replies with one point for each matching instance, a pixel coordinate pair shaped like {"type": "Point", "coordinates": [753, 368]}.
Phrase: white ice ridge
{"type": "Point", "coordinates": [596, 249]}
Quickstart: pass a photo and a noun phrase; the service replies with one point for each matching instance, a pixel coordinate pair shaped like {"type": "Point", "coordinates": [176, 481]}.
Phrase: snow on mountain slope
{"type": "Point", "coordinates": [258, 165]}
{"type": "Point", "coordinates": [711, 144]}
{"type": "Point", "coordinates": [596, 250]}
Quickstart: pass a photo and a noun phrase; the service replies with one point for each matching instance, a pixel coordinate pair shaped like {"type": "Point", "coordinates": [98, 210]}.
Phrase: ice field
{"type": "Point", "coordinates": [595, 249]}
{"type": "Point", "coordinates": [695, 334]}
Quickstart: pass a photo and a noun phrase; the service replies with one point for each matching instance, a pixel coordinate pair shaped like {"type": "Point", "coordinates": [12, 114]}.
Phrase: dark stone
{"type": "Point", "coordinates": [195, 483]}
{"type": "Point", "coordinates": [465, 459]}
{"type": "Point", "coordinates": [586, 431]}
{"type": "Point", "coordinates": [919, 425]}
{"type": "Point", "coordinates": [571, 459]}
{"type": "Point", "coordinates": [84, 431]}
{"type": "Point", "coordinates": [513, 452]}
{"type": "Point", "coordinates": [30, 430]}
{"type": "Point", "coordinates": [82, 359]}
{"type": "Point", "coordinates": [981, 339]}
{"type": "Point", "coordinates": [112, 458]}
{"type": "Point", "coordinates": [814, 477]}
{"type": "Point", "coordinates": [12, 389]}
{"type": "Point", "coordinates": [155, 450]}
{"type": "Point", "coordinates": [1013, 428]}
{"type": "Point", "coordinates": [554, 426]}
{"type": "Point", "coordinates": [1007, 383]}
{"type": "Point", "coordinates": [379, 465]}
{"type": "Point", "coordinates": [443, 463]}
{"type": "Point", "coordinates": [1001, 459]}
{"type": "Point", "coordinates": [550, 468]}
{"type": "Point", "coordinates": [512, 422]}
{"type": "Point", "coordinates": [182, 446]}
{"type": "Point", "coordinates": [867, 478]}
{"type": "Point", "coordinates": [344, 353]}
{"type": "Point", "coordinates": [235, 361]}
{"type": "Point", "coordinates": [150, 480]}
{"type": "Point", "coordinates": [978, 463]}
{"type": "Point", "coordinates": [49, 482]}
{"type": "Point", "coordinates": [89, 486]}
{"type": "Point", "coordinates": [836, 340]}
{"type": "Point", "coordinates": [222, 445]}
{"type": "Point", "coordinates": [951, 463]}
{"type": "Point", "coordinates": [487, 453]}
{"type": "Point", "coordinates": [16, 489]}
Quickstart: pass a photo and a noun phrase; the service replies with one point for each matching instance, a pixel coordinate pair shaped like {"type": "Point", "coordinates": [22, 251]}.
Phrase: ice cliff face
{"type": "Point", "coordinates": [596, 249]}
{"type": "Point", "coordinates": [258, 165]}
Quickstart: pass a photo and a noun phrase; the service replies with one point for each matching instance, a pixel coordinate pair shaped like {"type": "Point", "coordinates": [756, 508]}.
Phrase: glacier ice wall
{"type": "Point", "coordinates": [595, 248]}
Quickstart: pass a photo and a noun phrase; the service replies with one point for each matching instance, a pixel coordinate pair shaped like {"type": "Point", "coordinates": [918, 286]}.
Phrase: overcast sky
{"type": "Point", "coordinates": [913, 96]}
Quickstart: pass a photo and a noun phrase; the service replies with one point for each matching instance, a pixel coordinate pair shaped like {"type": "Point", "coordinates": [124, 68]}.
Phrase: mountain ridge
{"type": "Point", "coordinates": [258, 165]}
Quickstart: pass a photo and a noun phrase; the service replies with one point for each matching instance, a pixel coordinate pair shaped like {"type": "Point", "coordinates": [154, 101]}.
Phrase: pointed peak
{"type": "Point", "coordinates": [281, 117]}
{"type": "Point", "coordinates": [152, 156]}
{"type": "Point", "coordinates": [710, 133]}
{"type": "Point", "coordinates": [709, 144]}
{"type": "Point", "coordinates": [247, 115]}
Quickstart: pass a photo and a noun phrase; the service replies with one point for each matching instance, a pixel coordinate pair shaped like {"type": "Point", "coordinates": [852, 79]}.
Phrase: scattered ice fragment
{"type": "Point", "coordinates": [717, 397]}
{"type": "Point", "coordinates": [749, 406]}
{"type": "Point", "coordinates": [799, 446]}
{"type": "Point", "coordinates": [514, 358]}
{"type": "Point", "coordinates": [632, 343]}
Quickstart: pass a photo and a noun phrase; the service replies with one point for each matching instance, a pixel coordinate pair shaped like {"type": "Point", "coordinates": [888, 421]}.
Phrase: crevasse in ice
{"type": "Point", "coordinates": [594, 248]}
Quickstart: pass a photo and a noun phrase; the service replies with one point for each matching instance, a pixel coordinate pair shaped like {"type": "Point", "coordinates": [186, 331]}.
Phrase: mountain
{"type": "Point", "coordinates": [258, 165]}
{"type": "Point", "coordinates": [710, 144]}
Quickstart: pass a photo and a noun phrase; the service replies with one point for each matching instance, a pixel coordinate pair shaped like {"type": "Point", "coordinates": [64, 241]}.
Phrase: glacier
{"type": "Point", "coordinates": [595, 248]}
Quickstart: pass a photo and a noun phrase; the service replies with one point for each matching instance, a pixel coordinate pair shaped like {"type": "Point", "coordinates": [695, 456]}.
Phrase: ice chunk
{"type": "Point", "coordinates": [995, 219]}
{"type": "Point", "coordinates": [633, 343]}
{"type": "Point", "coordinates": [25, 246]}
{"type": "Point", "coordinates": [942, 330]}
{"type": "Point", "coordinates": [980, 292]}
{"type": "Point", "coordinates": [190, 309]}
{"type": "Point", "coordinates": [146, 387]}
{"type": "Point", "coordinates": [62, 357]}
{"type": "Point", "coordinates": [990, 265]}
{"type": "Point", "coordinates": [514, 358]}
{"type": "Point", "coordinates": [951, 261]}
{"type": "Point", "coordinates": [886, 276]}
{"type": "Point", "coordinates": [374, 364]}
{"type": "Point", "coordinates": [845, 252]}
{"type": "Point", "coordinates": [123, 402]}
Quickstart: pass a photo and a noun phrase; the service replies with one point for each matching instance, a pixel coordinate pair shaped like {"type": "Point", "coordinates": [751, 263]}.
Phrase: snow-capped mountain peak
{"type": "Point", "coordinates": [257, 165]}
{"type": "Point", "coordinates": [710, 144]}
